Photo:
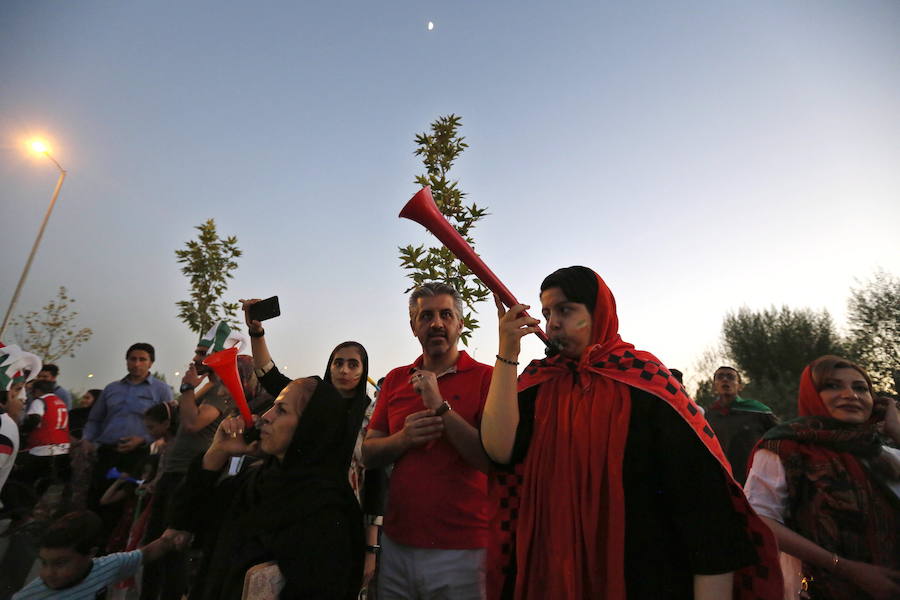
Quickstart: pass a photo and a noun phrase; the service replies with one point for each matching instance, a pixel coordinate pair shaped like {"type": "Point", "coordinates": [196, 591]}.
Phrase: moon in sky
{"type": "Point", "coordinates": [430, 25]}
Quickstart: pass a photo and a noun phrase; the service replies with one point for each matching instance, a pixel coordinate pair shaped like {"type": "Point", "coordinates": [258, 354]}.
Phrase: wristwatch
{"type": "Point", "coordinates": [186, 387]}
{"type": "Point", "coordinates": [443, 408]}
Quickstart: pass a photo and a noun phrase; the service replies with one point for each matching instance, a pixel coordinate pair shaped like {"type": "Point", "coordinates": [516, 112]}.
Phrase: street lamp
{"type": "Point", "coordinates": [40, 147]}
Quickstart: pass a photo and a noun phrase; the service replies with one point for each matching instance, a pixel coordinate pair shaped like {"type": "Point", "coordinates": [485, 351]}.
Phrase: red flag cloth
{"type": "Point", "coordinates": [591, 524]}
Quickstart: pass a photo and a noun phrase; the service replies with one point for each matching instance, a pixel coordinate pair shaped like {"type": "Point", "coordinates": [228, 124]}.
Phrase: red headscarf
{"type": "Point", "coordinates": [809, 403]}
{"type": "Point", "coordinates": [593, 395]}
{"type": "Point", "coordinates": [816, 447]}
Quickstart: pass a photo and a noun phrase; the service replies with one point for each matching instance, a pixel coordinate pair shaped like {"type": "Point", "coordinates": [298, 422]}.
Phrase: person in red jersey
{"type": "Point", "coordinates": [46, 432]}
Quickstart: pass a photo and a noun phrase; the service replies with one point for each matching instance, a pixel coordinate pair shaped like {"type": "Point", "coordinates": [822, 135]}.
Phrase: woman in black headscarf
{"type": "Point", "coordinates": [347, 370]}
{"type": "Point", "coordinates": [295, 508]}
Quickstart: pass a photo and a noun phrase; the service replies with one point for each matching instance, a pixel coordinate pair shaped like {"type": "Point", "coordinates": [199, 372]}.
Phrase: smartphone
{"type": "Point", "coordinates": [264, 309]}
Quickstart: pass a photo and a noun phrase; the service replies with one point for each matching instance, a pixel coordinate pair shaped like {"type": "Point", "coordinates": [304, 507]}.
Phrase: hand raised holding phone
{"type": "Point", "coordinates": [256, 311]}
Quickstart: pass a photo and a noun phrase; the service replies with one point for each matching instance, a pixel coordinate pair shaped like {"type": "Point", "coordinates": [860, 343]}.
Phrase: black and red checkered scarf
{"type": "Point", "coordinates": [588, 521]}
{"type": "Point", "coordinates": [836, 476]}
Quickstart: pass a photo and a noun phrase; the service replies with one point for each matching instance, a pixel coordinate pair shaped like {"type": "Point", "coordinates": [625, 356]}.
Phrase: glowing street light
{"type": "Point", "coordinates": [40, 147]}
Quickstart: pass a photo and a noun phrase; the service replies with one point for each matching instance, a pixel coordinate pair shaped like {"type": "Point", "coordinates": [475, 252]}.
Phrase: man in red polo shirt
{"type": "Point", "coordinates": [426, 423]}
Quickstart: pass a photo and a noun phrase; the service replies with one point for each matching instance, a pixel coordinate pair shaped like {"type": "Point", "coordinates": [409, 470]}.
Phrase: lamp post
{"type": "Point", "coordinates": [40, 148]}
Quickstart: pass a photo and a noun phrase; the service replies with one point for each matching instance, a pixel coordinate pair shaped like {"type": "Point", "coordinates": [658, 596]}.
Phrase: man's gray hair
{"type": "Point", "coordinates": [431, 289]}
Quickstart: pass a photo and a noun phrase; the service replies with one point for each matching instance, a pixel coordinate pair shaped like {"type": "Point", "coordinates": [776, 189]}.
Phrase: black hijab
{"type": "Point", "coordinates": [281, 503]}
{"type": "Point", "coordinates": [357, 405]}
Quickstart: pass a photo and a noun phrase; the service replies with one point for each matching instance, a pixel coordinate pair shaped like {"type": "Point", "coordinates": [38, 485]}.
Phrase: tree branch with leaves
{"type": "Point", "coordinates": [51, 333]}
{"type": "Point", "coordinates": [208, 264]}
{"type": "Point", "coordinates": [439, 149]}
{"type": "Point", "coordinates": [874, 319]}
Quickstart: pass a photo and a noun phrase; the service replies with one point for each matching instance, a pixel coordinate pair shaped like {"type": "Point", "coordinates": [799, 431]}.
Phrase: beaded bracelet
{"type": "Point", "coordinates": [507, 361]}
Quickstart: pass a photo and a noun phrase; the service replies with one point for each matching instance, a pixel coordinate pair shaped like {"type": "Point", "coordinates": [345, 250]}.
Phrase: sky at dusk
{"type": "Point", "coordinates": [701, 156]}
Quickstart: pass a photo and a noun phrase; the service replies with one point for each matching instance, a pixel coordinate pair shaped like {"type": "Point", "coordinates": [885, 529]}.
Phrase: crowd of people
{"type": "Point", "coordinates": [590, 473]}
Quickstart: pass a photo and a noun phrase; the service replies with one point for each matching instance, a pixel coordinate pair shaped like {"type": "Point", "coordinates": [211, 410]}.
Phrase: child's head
{"type": "Point", "coordinates": [161, 420]}
{"type": "Point", "coordinates": [67, 549]}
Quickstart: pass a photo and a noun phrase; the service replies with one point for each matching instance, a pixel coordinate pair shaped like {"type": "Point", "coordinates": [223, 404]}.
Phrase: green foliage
{"type": "Point", "coordinates": [51, 333]}
{"type": "Point", "coordinates": [772, 347]}
{"type": "Point", "coordinates": [874, 320]}
{"type": "Point", "coordinates": [208, 262]}
{"type": "Point", "coordinates": [439, 150]}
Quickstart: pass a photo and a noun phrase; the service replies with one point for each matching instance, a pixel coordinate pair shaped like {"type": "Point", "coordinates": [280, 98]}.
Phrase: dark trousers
{"type": "Point", "coordinates": [41, 471]}
{"type": "Point", "coordinates": [126, 462]}
{"type": "Point", "coordinates": [167, 577]}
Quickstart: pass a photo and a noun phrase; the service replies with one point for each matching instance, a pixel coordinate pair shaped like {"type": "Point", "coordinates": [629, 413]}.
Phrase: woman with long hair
{"type": "Point", "coordinates": [829, 489]}
{"type": "Point", "coordinates": [295, 507]}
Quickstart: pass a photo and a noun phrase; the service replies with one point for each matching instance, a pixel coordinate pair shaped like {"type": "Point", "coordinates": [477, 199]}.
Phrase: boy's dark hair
{"type": "Point", "coordinates": [79, 530]}
{"type": "Point", "coordinates": [142, 346]}
{"type": "Point", "coordinates": [51, 368]}
{"type": "Point", "coordinates": [43, 386]}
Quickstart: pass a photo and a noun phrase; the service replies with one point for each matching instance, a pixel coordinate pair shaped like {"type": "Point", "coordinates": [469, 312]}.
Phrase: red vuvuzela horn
{"type": "Point", "coordinates": [224, 363]}
{"type": "Point", "coordinates": [422, 209]}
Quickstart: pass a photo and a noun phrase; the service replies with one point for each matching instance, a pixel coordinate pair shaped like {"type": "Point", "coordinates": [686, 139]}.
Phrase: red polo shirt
{"type": "Point", "coordinates": [436, 499]}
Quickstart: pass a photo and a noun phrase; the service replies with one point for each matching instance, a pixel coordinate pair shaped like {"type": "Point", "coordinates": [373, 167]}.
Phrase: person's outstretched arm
{"type": "Point", "coordinates": [501, 409]}
{"type": "Point", "coordinates": [167, 542]}
{"type": "Point", "coordinates": [879, 582]}
{"type": "Point", "coordinates": [258, 346]}
{"type": "Point", "coordinates": [194, 417]}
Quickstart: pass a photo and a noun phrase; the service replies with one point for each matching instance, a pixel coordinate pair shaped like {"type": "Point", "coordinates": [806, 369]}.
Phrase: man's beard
{"type": "Point", "coordinates": [429, 349]}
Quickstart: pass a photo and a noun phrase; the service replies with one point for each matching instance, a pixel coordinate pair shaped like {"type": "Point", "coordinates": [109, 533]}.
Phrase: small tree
{"type": "Point", "coordinates": [208, 262]}
{"type": "Point", "coordinates": [51, 332]}
{"type": "Point", "coordinates": [705, 366]}
{"type": "Point", "coordinates": [874, 319]}
{"type": "Point", "coordinates": [439, 150]}
{"type": "Point", "coordinates": [772, 347]}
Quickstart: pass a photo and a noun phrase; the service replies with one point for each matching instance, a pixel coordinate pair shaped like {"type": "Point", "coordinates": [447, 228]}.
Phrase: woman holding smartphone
{"type": "Point", "coordinates": [347, 371]}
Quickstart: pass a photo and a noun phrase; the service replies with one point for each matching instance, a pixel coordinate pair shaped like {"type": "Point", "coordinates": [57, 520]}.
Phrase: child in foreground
{"type": "Point", "coordinates": [69, 569]}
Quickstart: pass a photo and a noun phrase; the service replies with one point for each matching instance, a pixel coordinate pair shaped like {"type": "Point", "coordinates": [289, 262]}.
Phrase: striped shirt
{"type": "Point", "coordinates": [105, 570]}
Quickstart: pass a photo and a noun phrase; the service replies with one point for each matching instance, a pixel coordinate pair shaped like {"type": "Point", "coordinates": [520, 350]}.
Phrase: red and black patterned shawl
{"type": "Point", "coordinates": [605, 372]}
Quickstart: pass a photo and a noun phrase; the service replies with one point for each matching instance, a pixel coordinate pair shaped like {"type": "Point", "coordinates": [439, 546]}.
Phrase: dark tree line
{"type": "Point", "coordinates": [771, 347]}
